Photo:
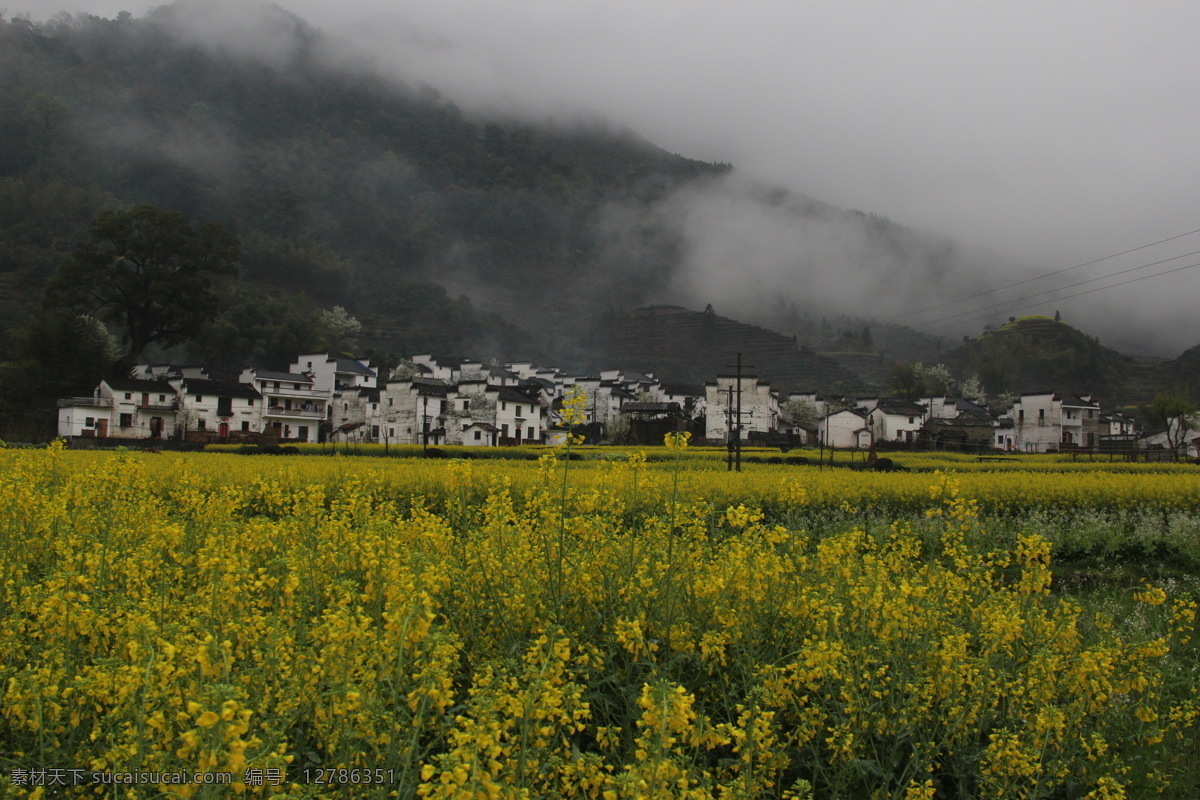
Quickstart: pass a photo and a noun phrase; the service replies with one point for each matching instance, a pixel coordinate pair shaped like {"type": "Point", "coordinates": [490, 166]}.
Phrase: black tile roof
{"type": "Point", "coordinates": [291, 377]}
{"type": "Point", "coordinates": [139, 385]}
{"type": "Point", "coordinates": [202, 387]}
{"type": "Point", "coordinates": [352, 366]}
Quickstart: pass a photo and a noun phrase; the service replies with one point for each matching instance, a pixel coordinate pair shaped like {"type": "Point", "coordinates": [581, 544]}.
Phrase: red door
{"type": "Point", "coordinates": [223, 430]}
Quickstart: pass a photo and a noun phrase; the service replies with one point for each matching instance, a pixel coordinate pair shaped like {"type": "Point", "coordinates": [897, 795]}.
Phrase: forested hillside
{"type": "Point", "coordinates": [1039, 353]}
{"type": "Point", "coordinates": [343, 186]}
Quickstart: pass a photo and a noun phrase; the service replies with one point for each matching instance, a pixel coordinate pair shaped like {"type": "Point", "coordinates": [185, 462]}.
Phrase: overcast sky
{"type": "Point", "coordinates": [1053, 133]}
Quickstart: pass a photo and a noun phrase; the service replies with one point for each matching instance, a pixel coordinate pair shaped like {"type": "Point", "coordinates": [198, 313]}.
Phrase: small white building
{"type": "Point", "coordinates": [758, 404]}
{"type": "Point", "coordinates": [689, 397]}
{"type": "Point", "coordinates": [480, 434]}
{"type": "Point", "coordinates": [84, 416]}
{"type": "Point", "coordinates": [939, 407]}
{"type": "Point", "coordinates": [846, 429]}
{"type": "Point", "coordinates": [896, 420]}
{"type": "Point", "coordinates": [1187, 437]}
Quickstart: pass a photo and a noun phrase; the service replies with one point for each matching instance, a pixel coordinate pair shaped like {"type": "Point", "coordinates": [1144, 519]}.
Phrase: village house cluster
{"type": "Point", "coordinates": [432, 400]}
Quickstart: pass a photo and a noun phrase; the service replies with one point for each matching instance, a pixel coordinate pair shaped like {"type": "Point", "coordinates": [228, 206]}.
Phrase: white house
{"type": "Point", "coordinates": [480, 434]}
{"type": "Point", "coordinates": [1188, 439]}
{"type": "Point", "coordinates": [520, 418]}
{"type": "Point", "coordinates": [413, 412]}
{"type": "Point", "coordinates": [84, 416]}
{"type": "Point", "coordinates": [1117, 424]}
{"type": "Point", "coordinates": [225, 407]}
{"type": "Point", "coordinates": [846, 429]}
{"type": "Point", "coordinates": [121, 408]}
{"type": "Point", "coordinates": [291, 405]}
{"type": "Point", "coordinates": [440, 368]}
{"type": "Point", "coordinates": [354, 415]}
{"type": "Point", "coordinates": [334, 373]}
{"type": "Point", "coordinates": [1046, 421]}
{"type": "Point", "coordinates": [896, 420]}
{"type": "Point", "coordinates": [758, 404]}
{"type": "Point", "coordinates": [689, 397]}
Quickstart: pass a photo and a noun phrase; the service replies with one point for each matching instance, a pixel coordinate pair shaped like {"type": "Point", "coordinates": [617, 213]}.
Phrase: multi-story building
{"type": "Point", "coordinates": [758, 404]}
{"type": "Point", "coordinates": [334, 373]}
{"type": "Point", "coordinates": [122, 408]}
{"type": "Point", "coordinates": [1045, 421]}
{"type": "Point", "coordinates": [292, 407]}
{"type": "Point", "coordinates": [896, 420]}
{"type": "Point", "coordinates": [220, 408]}
{"type": "Point", "coordinates": [412, 412]}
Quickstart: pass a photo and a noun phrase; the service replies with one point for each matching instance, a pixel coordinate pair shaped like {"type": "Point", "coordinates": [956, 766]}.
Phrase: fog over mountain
{"type": "Point", "coordinates": [1030, 137]}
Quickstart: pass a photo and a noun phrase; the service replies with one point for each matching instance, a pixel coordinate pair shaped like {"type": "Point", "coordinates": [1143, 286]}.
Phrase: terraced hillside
{"type": "Point", "coordinates": [680, 345]}
{"type": "Point", "coordinates": [1038, 353]}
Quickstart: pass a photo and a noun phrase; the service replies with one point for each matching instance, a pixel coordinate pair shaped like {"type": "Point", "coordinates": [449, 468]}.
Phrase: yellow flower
{"type": "Point", "coordinates": [677, 441]}
{"type": "Point", "coordinates": [1150, 595]}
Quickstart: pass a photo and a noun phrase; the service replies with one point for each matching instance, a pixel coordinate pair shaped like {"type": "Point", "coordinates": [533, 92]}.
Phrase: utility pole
{"type": "Point", "coordinates": [729, 432]}
{"type": "Point", "coordinates": [735, 434]}
{"type": "Point", "coordinates": [737, 450]}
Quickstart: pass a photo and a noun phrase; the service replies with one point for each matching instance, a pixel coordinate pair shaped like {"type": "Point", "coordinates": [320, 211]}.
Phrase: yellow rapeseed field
{"type": "Point", "coordinates": [361, 627]}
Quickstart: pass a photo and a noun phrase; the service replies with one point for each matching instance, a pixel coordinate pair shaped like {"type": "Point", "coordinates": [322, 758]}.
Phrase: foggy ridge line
{"type": "Point", "coordinates": [1036, 278]}
{"type": "Point", "coordinates": [1011, 300]}
{"type": "Point", "coordinates": [1080, 294]}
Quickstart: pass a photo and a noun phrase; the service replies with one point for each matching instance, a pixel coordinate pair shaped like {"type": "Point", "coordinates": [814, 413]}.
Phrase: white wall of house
{"type": "Point", "coordinates": [1189, 437]}
{"type": "Point", "coordinates": [84, 416]}
{"type": "Point", "coordinates": [470, 405]}
{"type": "Point", "coordinates": [121, 409]}
{"type": "Point", "coordinates": [331, 373]}
{"type": "Point", "coordinates": [759, 407]}
{"type": "Point", "coordinates": [438, 368]}
{"type": "Point", "coordinates": [1117, 424]}
{"type": "Point", "coordinates": [290, 402]}
{"type": "Point", "coordinates": [140, 409]}
{"type": "Point", "coordinates": [518, 416]}
{"type": "Point", "coordinates": [408, 408]}
{"type": "Point", "coordinates": [843, 429]}
{"type": "Point", "coordinates": [479, 434]}
{"type": "Point", "coordinates": [888, 427]}
{"type": "Point", "coordinates": [355, 406]}
{"type": "Point", "coordinates": [202, 407]}
{"type": "Point", "coordinates": [1046, 421]}
{"type": "Point", "coordinates": [1036, 422]}
{"type": "Point", "coordinates": [940, 407]}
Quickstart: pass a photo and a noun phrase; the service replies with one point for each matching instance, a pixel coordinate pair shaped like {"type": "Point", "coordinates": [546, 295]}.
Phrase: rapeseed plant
{"type": "Point", "coordinates": [637, 630]}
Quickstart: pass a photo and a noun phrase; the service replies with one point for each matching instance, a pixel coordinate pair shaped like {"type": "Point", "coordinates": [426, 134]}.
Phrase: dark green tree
{"type": "Point", "coordinates": [147, 271]}
{"type": "Point", "coordinates": [906, 379]}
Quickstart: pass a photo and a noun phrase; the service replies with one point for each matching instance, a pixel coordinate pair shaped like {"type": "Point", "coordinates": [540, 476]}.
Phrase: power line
{"type": "Point", "coordinates": [1040, 277]}
{"type": "Point", "coordinates": [1059, 289]}
{"type": "Point", "coordinates": [1089, 291]}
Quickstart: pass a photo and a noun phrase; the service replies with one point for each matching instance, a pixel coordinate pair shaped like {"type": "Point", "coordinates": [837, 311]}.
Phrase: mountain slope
{"type": "Point", "coordinates": [683, 346]}
{"type": "Point", "coordinates": [344, 186]}
{"type": "Point", "coordinates": [1038, 353]}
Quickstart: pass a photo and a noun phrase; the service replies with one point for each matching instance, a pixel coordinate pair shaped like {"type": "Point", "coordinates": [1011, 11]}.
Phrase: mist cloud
{"type": "Point", "coordinates": [1036, 135]}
